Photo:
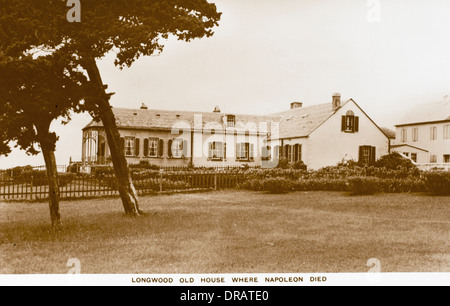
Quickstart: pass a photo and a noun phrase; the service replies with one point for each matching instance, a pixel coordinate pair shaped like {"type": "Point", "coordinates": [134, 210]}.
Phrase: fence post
{"type": "Point", "coordinates": [31, 188]}
{"type": "Point", "coordinates": [215, 180]}
{"type": "Point", "coordinates": [161, 180]}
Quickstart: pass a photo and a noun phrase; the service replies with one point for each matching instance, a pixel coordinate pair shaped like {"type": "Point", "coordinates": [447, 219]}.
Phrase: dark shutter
{"type": "Point", "coordinates": [344, 119]}
{"type": "Point", "coordinates": [136, 147]}
{"type": "Point", "coordinates": [373, 153]}
{"type": "Point", "coordinates": [299, 152]}
{"type": "Point", "coordinates": [122, 144]}
{"type": "Point", "coordinates": [161, 148]}
{"type": "Point", "coordinates": [225, 150]}
{"type": "Point", "coordinates": [296, 146]}
{"type": "Point", "coordinates": [185, 148]}
{"type": "Point", "coordinates": [252, 152]}
{"type": "Point", "coordinates": [145, 147]}
{"type": "Point", "coordinates": [361, 154]}
{"type": "Point", "coordinates": [169, 148]}
{"type": "Point", "coordinates": [356, 124]}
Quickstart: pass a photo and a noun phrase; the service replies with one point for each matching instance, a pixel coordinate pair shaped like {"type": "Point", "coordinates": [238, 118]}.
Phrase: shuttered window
{"type": "Point", "coordinates": [216, 150]}
{"type": "Point", "coordinates": [244, 151]}
{"type": "Point", "coordinates": [367, 155]}
{"type": "Point", "coordinates": [350, 123]}
{"type": "Point", "coordinates": [177, 148]}
{"type": "Point", "coordinates": [129, 146]}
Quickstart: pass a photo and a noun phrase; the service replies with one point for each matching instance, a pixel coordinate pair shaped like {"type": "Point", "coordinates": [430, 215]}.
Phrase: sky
{"type": "Point", "coordinates": [266, 54]}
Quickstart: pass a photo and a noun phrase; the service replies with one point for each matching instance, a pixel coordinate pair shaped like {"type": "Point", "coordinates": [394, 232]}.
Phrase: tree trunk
{"type": "Point", "coordinates": [48, 151]}
{"type": "Point", "coordinates": [125, 185]}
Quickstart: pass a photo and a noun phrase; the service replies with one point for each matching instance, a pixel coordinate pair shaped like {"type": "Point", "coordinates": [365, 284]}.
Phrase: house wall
{"type": "Point", "coordinates": [201, 148]}
{"type": "Point", "coordinates": [422, 156]}
{"type": "Point", "coordinates": [438, 147]}
{"type": "Point", "coordinates": [159, 161]}
{"type": "Point", "coordinates": [328, 145]}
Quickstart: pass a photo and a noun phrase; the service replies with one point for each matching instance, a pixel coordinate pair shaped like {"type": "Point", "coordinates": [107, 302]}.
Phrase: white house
{"type": "Point", "coordinates": [320, 135]}
{"type": "Point", "coordinates": [327, 134]}
{"type": "Point", "coordinates": [423, 135]}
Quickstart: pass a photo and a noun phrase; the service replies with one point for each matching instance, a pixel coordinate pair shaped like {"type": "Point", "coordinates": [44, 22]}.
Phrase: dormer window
{"type": "Point", "coordinates": [231, 121]}
{"type": "Point", "coordinates": [350, 122]}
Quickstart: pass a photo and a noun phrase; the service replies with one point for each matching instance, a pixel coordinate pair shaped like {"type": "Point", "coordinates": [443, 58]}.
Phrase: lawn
{"type": "Point", "coordinates": [231, 232]}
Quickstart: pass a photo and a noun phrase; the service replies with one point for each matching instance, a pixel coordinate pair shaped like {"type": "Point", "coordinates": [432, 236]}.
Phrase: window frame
{"type": "Point", "coordinates": [127, 141]}
{"type": "Point", "coordinates": [415, 134]}
{"type": "Point", "coordinates": [216, 148]}
{"type": "Point", "coordinates": [179, 148]}
{"type": "Point", "coordinates": [433, 133]}
{"type": "Point", "coordinates": [153, 140]}
{"type": "Point", "coordinates": [246, 148]}
{"type": "Point", "coordinates": [446, 131]}
{"type": "Point", "coordinates": [231, 121]}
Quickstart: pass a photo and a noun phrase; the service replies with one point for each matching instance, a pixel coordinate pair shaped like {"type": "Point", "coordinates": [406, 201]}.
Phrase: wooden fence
{"type": "Point", "coordinates": [89, 186]}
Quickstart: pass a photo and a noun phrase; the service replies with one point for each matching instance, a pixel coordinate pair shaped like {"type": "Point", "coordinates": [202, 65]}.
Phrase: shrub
{"type": "Point", "coordinates": [394, 161]}
{"type": "Point", "coordinates": [437, 183]}
{"type": "Point", "coordinates": [277, 185]}
{"type": "Point", "coordinates": [299, 165]}
{"type": "Point", "coordinates": [364, 185]}
{"type": "Point", "coordinates": [320, 184]}
{"type": "Point", "coordinates": [252, 184]}
{"type": "Point", "coordinates": [283, 163]}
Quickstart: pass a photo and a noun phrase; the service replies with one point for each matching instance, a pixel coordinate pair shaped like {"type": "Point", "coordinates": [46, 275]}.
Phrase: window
{"type": "Point", "coordinates": [297, 153]}
{"type": "Point", "coordinates": [414, 157]}
{"type": "Point", "coordinates": [447, 131]}
{"type": "Point", "coordinates": [216, 150]}
{"type": "Point", "coordinates": [266, 153]}
{"type": "Point", "coordinates": [231, 121]}
{"type": "Point", "coordinates": [404, 135]}
{"type": "Point", "coordinates": [244, 151]}
{"type": "Point", "coordinates": [406, 154]}
{"type": "Point", "coordinates": [129, 146]}
{"type": "Point", "coordinates": [415, 135]}
{"type": "Point", "coordinates": [433, 159]}
{"type": "Point", "coordinates": [433, 132]}
{"type": "Point", "coordinates": [350, 122]}
{"type": "Point", "coordinates": [447, 158]}
{"type": "Point", "coordinates": [367, 155]}
{"type": "Point", "coordinates": [153, 147]}
{"type": "Point", "coordinates": [176, 148]}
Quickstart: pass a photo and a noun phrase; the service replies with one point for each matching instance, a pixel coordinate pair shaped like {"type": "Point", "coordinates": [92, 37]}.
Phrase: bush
{"type": "Point", "coordinates": [394, 161]}
{"type": "Point", "coordinates": [320, 184]}
{"type": "Point", "coordinates": [277, 185]}
{"type": "Point", "coordinates": [283, 163]}
{"type": "Point", "coordinates": [299, 165]}
{"type": "Point", "coordinates": [437, 183]}
{"type": "Point", "coordinates": [364, 185]}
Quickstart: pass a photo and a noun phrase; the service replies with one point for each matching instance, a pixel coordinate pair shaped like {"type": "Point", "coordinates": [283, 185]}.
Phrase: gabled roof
{"type": "Point", "coordinates": [164, 119]}
{"type": "Point", "coordinates": [388, 132]}
{"type": "Point", "coordinates": [300, 122]}
{"type": "Point", "coordinates": [423, 113]}
{"type": "Point", "coordinates": [407, 145]}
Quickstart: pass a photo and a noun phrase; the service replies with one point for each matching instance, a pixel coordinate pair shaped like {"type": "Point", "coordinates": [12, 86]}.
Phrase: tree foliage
{"type": "Point", "coordinates": [33, 93]}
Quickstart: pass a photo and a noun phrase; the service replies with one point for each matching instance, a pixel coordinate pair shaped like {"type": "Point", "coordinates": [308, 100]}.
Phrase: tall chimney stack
{"type": "Point", "coordinates": [336, 101]}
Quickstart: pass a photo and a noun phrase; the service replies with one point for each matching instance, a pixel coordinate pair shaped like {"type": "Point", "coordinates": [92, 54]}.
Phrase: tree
{"type": "Point", "coordinates": [33, 93]}
{"type": "Point", "coordinates": [130, 28]}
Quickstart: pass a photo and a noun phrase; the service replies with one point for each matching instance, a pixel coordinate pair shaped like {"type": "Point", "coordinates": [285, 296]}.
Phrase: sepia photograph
{"type": "Point", "coordinates": [254, 143]}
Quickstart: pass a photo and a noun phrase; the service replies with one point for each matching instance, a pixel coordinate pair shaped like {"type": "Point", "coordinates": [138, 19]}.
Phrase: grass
{"type": "Point", "coordinates": [231, 232]}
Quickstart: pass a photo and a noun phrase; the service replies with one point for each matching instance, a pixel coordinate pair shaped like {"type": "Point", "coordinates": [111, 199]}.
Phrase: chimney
{"type": "Point", "coordinates": [336, 101]}
{"type": "Point", "coordinates": [144, 106]}
{"type": "Point", "coordinates": [295, 105]}
{"type": "Point", "coordinates": [217, 109]}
